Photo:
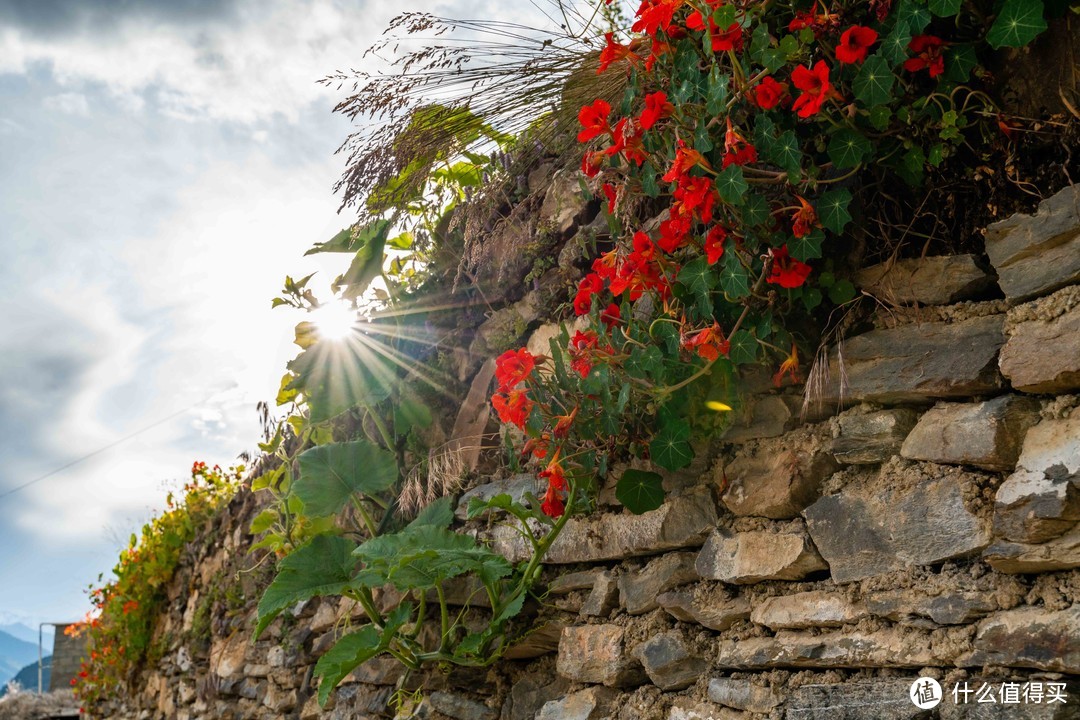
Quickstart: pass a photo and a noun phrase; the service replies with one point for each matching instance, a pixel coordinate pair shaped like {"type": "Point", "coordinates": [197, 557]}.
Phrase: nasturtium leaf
{"type": "Point", "coordinates": [841, 292]}
{"type": "Point", "coordinates": [914, 14]}
{"type": "Point", "coordinates": [724, 16]}
{"type": "Point", "coordinates": [880, 116]}
{"type": "Point", "coordinates": [755, 210]}
{"type": "Point", "coordinates": [331, 474]}
{"type": "Point", "coordinates": [670, 447]}
{"type": "Point", "coordinates": [734, 280]}
{"type": "Point", "coordinates": [702, 141]}
{"type": "Point", "coordinates": [784, 151]}
{"type": "Point", "coordinates": [807, 247]}
{"type": "Point", "coordinates": [847, 148]}
{"type": "Point", "coordinates": [811, 297]}
{"type": "Point", "coordinates": [826, 279]}
{"type": "Point", "coordinates": [717, 91]}
{"type": "Point", "coordinates": [640, 491]}
{"type": "Point", "coordinates": [744, 348]}
{"type": "Point", "coordinates": [789, 45]}
{"type": "Point", "coordinates": [649, 184]}
{"type": "Point", "coordinates": [731, 185]}
{"type": "Point", "coordinates": [945, 8]}
{"type": "Point", "coordinates": [697, 276]}
{"type": "Point", "coordinates": [439, 513]}
{"type": "Point", "coordinates": [960, 60]}
{"type": "Point", "coordinates": [874, 83]}
{"type": "Point", "coordinates": [1018, 23]}
{"type": "Point", "coordinates": [324, 566]}
{"type": "Point", "coordinates": [894, 48]}
{"type": "Point", "coordinates": [832, 209]}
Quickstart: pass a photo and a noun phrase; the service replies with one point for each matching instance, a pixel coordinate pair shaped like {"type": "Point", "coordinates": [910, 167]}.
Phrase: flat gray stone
{"type": "Point", "coordinates": [603, 598]}
{"type": "Point", "coordinates": [1035, 254]}
{"type": "Point", "coordinates": [764, 416]}
{"type": "Point", "coordinates": [743, 695]}
{"type": "Point", "coordinates": [668, 661]}
{"type": "Point", "coordinates": [817, 608]}
{"type": "Point", "coordinates": [928, 281]}
{"type": "Point", "coordinates": [594, 703]}
{"type": "Point", "coordinates": [987, 435]}
{"type": "Point", "coordinates": [744, 558]}
{"type": "Point", "coordinates": [953, 608]}
{"type": "Point", "coordinates": [716, 615]}
{"type": "Point", "coordinates": [597, 654]}
{"type": "Point", "coordinates": [919, 363]}
{"type": "Point", "coordinates": [860, 700]}
{"type": "Point", "coordinates": [1041, 500]}
{"type": "Point", "coordinates": [880, 529]}
{"type": "Point", "coordinates": [1042, 354]}
{"type": "Point", "coordinates": [638, 590]}
{"type": "Point", "coordinates": [1029, 637]}
{"type": "Point", "coordinates": [460, 707]}
{"type": "Point", "coordinates": [681, 522]}
{"type": "Point", "coordinates": [1061, 553]}
{"type": "Point", "coordinates": [870, 438]}
{"type": "Point", "coordinates": [888, 648]}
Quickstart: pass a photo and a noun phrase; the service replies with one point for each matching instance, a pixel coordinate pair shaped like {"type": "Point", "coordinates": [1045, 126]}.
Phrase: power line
{"type": "Point", "coordinates": [110, 446]}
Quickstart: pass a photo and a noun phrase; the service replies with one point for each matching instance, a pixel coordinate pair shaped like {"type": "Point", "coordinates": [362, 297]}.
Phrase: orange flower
{"type": "Point", "coordinates": [790, 366]}
{"type": "Point", "coordinates": [709, 343]}
{"type": "Point", "coordinates": [512, 367]}
{"type": "Point", "coordinates": [562, 427]}
{"type": "Point", "coordinates": [803, 219]}
{"type": "Point", "coordinates": [615, 51]}
{"type": "Point", "coordinates": [514, 407]}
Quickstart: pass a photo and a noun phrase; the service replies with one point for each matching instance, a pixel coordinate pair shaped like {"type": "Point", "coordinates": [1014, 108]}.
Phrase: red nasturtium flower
{"type": "Point", "coordinates": [927, 49]}
{"type": "Point", "coordinates": [768, 93]}
{"type": "Point", "coordinates": [615, 51]}
{"type": "Point", "coordinates": [512, 367]}
{"type": "Point", "coordinates": [685, 159]}
{"type": "Point", "coordinates": [656, 108]}
{"type": "Point", "coordinates": [787, 272]}
{"type": "Point", "coordinates": [804, 218]}
{"type": "Point", "coordinates": [594, 120]}
{"type": "Point", "coordinates": [729, 39]}
{"type": "Point", "coordinates": [790, 366]}
{"type": "Point", "coordinates": [513, 407]}
{"type": "Point", "coordinates": [591, 163]}
{"type": "Point", "coordinates": [627, 143]}
{"type": "Point", "coordinates": [553, 505]}
{"type": "Point", "coordinates": [580, 356]}
{"type": "Point", "coordinates": [737, 151]}
{"type": "Point", "coordinates": [709, 343]}
{"type": "Point", "coordinates": [815, 86]}
{"type": "Point", "coordinates": [653, 15]}
{"type": "Point", "coordinates": [714, 244]}
{"type": "Point", "coordinates": [855, 44]}
{"type": "Point", "coordinates": [562, 426]}
{"type": "Point", "coordinates": [611, 316]}
{"type": "Point", "coordinates": [589, 286]}
{"type": "Point", "coordinates": [612, 196]}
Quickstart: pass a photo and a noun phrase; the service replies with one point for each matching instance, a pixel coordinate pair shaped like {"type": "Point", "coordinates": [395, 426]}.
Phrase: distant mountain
{"type": "Point", "coordinates": [28, 634]}
{"type": "Point", "coordinates": [28, 677]}
{"type": "Point", "coordinates": [14, 655]}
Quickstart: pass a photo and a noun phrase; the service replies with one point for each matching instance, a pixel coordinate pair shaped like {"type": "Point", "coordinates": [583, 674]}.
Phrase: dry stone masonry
{"type": "Point", "coordinates": [926, 524]}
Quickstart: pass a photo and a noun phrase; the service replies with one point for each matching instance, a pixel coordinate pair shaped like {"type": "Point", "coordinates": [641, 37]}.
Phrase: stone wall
{"type": "Point", "coordinates": [925, 524]}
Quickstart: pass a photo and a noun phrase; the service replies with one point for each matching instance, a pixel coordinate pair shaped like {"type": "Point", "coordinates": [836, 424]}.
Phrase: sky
{"type": "Point", "coordinates": [163, 166]}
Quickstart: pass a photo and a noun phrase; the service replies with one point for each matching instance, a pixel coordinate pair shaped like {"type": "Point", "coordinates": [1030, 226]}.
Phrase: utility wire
{"type": "Point", "coordinates": [110, 446]}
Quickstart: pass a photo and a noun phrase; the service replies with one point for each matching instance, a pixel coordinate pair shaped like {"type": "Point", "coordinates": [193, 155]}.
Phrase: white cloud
{"type": "Point", "coordinates": [70, 103]}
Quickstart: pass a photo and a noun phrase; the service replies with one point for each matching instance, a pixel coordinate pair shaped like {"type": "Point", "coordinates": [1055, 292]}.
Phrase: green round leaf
{"type": "Point", "coordinates": [744, 348]}
{"type": "Point", "coordinates": [640, 491]}
{"type": "Point", "coordinates": [847, 148]}
{"type": "Point", "coordinates": [1018, 23]}
{"type": "Point", "coordinates": [874, 83]}
{"type": "Point", "coordinates": [670, 448]}
{"type": "Point", "coordinates": [832, 209]}
{"type": "Point", "coordinates": [731, 184]}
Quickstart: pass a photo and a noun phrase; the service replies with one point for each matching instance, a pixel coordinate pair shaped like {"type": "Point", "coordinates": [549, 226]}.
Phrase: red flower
{"type": "Point", "coordinates": [855, 44]}
{"type": "Point", "coordinates": [562, 427]}
{"type": "Point", "coordinates": [594, 120]}
{"type": "Point", "coordinates": [803, 219]}
{"type": "Point", "coordinates": [514, 407]}
{"type": "Point", "coordinates": [553, 505]}
{"type": "Point", "coordinates": [697, 196]}
{"type": "Point", "coordinates": [589, 286]}
{"type": "Point", "coordinates": [737, 151]}
{"type": "Point", "coordinates": [580, 346]}
{"type": "Point", "coordinates": [927, 49]}
{"type": "Point", "coordinates": [659, 47]}
{"type": "Point", "coordinates": [800, 21]}
{"type": "Point", "coordinates": [787, 272]}
{"type": "Point", "coordinates": [674, 231]}
{"type": "Point", "coordinates": [653, 15]}
{"type": "Point", "coordinates": [709, 343]}
{"type": "Point", "coordinates": [685, 159]}
{"type": "Point", "coordinates": [606, 265]}
{"type": "Point", "coordinates": [554, 474]}
{"type": "Point", "coordinates": [768, 93]}
{"type": "Point", "coordinates": [512, 367]}
{"type": "Point", "coordinates": [629, 145]}
{"type": "Point", "coordinates": [714, 244]}
{"type": "Point", "coordinates": [591, 163]}
{"type": "Point", "coordinates": [730, 39]}
{"type": "Point", "coordinates": [613, 52]}
{"type": "Point", "coordinates": [611, 315]}
{"type": "Point", "coordinates": [815, 86]}
{"type": "Point", "coordinates": [612, 195]}
{"type": "Point", "coordinates": [656, 107]}
{"type": "Point", "coordinates": [790, 366]}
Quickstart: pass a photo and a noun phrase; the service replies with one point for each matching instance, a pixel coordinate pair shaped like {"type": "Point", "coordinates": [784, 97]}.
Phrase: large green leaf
{"type": "Point", "coordinates": [1018, 23]}
{"type": "Point", "coordinates": [331, 474]}
{"type": "Point", "coordinates": [670, 448]}
{"type": "Point", "coordinates": [367, 263]}
{"type": "Point", "coordinates": [734, 280]}
{"type": "Point", "coordinates": [424, 555]}
{"type": "Point", "coordinates": [322, 567]}
{"type": "Point", "coordinates": [945, 8]}
{"type": "Point", "coordinates": [873, 85]}
{"type": "Point", "coordinates": [640, 491]}
{"type": "Point", "coordinates": [784, 151]}
{"type": "Point", "coordinates": [847, 148]}
{"type": "Point", "coordinates": [832, 209]}
{"type": "Point", "coordinates": [744, 348]}
{"type": "Point", "coordinates": [335, 377]}
{"type": "Point", "coordinates": [806, 247]}
{"type": "Point", "coordinates": [731, 184]}
{"type": "Point", "coordinates": [356, 648]}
